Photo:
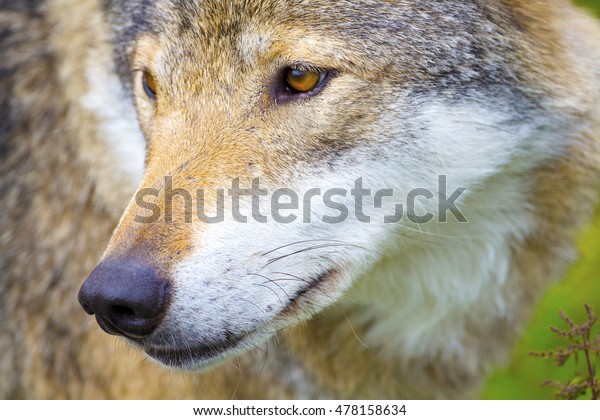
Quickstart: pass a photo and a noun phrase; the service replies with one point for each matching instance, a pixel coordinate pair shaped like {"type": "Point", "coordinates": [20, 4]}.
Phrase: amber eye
{"type": "Point", "coordinates": [303, 81]}
{"type": "Point", "coordinates": [149, 83]}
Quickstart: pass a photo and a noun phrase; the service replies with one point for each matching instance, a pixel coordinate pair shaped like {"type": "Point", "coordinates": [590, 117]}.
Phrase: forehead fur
{"type": "Point", "coordinates": [457, 41]}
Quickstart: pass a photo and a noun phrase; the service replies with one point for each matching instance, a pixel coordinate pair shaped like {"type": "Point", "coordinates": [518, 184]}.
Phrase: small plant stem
{"type": "Point", "coordinates": [590, 367]}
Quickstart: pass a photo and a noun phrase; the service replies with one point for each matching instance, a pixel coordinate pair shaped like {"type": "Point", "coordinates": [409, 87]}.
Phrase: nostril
{"type": "Point", "coordinates": [120, 311]}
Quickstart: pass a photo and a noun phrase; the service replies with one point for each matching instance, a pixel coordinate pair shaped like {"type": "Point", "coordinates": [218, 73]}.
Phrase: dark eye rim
{"type": "Point", "coordinates": [282, 92]}
{"type": "Point", "coordinates": [147, 89]}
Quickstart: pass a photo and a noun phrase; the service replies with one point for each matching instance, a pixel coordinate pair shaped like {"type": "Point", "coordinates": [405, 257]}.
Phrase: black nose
{"type": "Point", "coordinates": [127, 296]}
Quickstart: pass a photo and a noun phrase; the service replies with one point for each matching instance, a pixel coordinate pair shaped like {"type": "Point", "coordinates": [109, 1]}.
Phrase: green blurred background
{"type": "Point", "coordinates": [522, 376]}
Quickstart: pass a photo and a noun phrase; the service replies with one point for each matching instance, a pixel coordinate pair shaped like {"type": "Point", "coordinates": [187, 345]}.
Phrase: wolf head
{"type": "Point", "coordinates": [246, 106]}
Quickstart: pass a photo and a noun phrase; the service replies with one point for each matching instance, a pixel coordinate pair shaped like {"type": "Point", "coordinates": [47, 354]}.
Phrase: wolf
{"type": "Point", "coordinates": [115, 113]}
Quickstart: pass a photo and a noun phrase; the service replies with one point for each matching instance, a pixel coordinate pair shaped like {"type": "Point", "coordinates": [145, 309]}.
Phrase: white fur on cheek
{"type": "Point", "coordinates": [441, 278]}
{"type": "Point", "coordinates": [117, 120]}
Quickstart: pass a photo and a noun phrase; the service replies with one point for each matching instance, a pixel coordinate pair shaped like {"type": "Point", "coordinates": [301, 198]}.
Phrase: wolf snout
{"type": "Point", "coordinates": [127, 296]}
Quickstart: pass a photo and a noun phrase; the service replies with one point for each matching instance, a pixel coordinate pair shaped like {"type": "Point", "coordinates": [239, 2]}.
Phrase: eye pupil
{"type": "Point", "coordinates": [302, 81]}
{"type": "Point", "coordinates": [149, 83]}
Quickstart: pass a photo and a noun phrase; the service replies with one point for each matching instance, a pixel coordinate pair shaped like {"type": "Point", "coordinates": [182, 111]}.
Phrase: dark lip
{"type": "Point", "coordinates": [196, 355]}
{"type": "Point", "coordinates": [312, 284]}
{"type": "Point", "coordinates": [203, 355]}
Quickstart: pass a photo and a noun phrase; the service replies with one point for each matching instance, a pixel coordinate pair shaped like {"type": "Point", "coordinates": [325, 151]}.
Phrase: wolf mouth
{"type": "Point", "coordinates": [205, 355]}
{"type": "Point", "coordinates": [198, 357]}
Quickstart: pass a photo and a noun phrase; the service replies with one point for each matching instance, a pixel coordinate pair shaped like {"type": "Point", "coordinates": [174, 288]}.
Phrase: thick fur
{"type": "Point", "coordinates": [501, 97]}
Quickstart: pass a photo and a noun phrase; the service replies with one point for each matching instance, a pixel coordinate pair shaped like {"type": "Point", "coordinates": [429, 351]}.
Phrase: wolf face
{"type": "Point", "coordinates": [311, 97]}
